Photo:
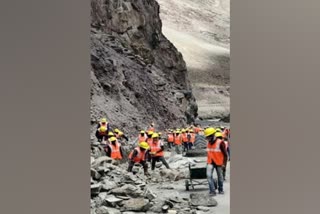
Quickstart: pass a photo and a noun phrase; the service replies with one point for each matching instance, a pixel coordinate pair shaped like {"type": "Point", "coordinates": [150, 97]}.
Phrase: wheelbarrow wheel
{"type": "Point", "coordinates": [187, 185]}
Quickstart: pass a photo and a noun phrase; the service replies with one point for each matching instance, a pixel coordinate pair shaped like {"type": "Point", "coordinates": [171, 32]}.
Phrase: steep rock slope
{"type": "Point", "coordinates": [138, 76]}
{"type": "Point", "coordinates": [201, 31]}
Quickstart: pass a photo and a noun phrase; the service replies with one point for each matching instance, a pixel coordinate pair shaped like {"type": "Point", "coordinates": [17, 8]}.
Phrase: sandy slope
{"type": "Point", "coordinates": [201, 32]}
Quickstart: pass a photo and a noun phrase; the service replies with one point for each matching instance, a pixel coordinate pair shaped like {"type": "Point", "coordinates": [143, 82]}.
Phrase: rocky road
{"type": "Point", "coordinates": [113, 190]}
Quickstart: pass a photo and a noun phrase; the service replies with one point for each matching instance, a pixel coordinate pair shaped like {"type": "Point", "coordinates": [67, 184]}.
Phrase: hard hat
{"type": "Point", "coordinates": [218, 134]}
{"type": "Point", "coordinates": [183, 130]}
{"type": "Point", "coordinates": [209, 131]}
{"type": "Point", "coordinates": [144, 145]}
{"type": "Point", "coordinates": [110, 134]}
{"type": "Point", "coordinates": [155, 135]}
{"type": "Point", "coordinates": [160, 133]}
{"type": "Point", "coordinates": [102, 129]}
{"type": "Point", "coordinates": [191, 130]}
{"type": "Point", "coordinates": [150, 132]}
{"type": "Point", "coordinates": [142, 132]}
{"type": "Point", "coordinates": [103, 120]}
{"type": "Point", "coordinates": [218, 130]}
{"type": "Point", "coordinates": [116, 130]}
{"type": "Point", "coordinates": [112, 139]}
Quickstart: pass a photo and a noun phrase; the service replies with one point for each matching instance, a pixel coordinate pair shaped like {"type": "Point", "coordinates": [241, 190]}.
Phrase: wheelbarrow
{"type": "Point", "coordinates": [197, 176]}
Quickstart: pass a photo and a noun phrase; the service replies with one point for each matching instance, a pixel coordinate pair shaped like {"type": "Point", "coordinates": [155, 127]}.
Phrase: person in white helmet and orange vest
{"type": "Point", "coordinates": [157, 152]}
{"type": "Point", "coordinates": [216, 155]}
{"type": "Point", "coordinates": [114, 149]}
{"type": "Point", "coordinates": [140, 154]}
{"type": "Point", "coordinates": [177, 142]}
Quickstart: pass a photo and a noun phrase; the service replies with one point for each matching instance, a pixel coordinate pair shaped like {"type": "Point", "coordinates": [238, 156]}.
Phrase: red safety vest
{"type": "Point", "coordinates": [115, 151]}
{"type": "Point", "coordinates": [141, 156]}
{"type": "Point", "coordinates": [156, 147]}
{"type": "Point", "coordinates": [214, 153]}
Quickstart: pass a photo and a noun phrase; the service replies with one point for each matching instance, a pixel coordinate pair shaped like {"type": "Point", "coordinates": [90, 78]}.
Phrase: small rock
{"type": "Point", "coordinates": [150, 195]}
{"type": "Point", "coordinates": [165, 208]}
{"type": "Point", "coordinates": [136, 204]}
{"type": "Point", "coordinates": [205, 209]}
{"type": "Point", "coordinates": [102, 210]}
{"type": "Point", "coordinates": [202, 199]}
{"type": "Point", "coordinates": [95, 189]}
{"type": "Point", "coordinates": [172, 212]}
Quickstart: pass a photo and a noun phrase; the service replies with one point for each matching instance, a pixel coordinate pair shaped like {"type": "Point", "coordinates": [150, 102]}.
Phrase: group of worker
{"type": "Point", "coordinates": [218, 154]}
{"type": "Point", "coordinates": [150, 148]}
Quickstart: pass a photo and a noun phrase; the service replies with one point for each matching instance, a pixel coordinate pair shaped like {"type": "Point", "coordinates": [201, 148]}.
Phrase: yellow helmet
{"type": "Point", "coordinates": [110, 134]}
{"type": "Point", "coordinates": [160, 133]}
{"type": "Point", "coordinates": [183, 130]}
{"type": "Point", "coordinates": [209, 131]}
{"type": "Point", "coordinates": [191, 130]}
{"type": "Point", "coordinates": [116, 130]}
{"type": "Point", "coordinates": [218, 130]}
{"type": "Point", "coordinates": [155, 135]}
{"type": "Point", "coordinates": [144, 145]}
{"type": "Point", "coordinates": [142, 132]}
{"type": "Point", "coordinates": [103, 120]}
{"type": "Point", "coordinates": [112, 139]}
{"type": "Point", "coordinates": [102, 129]}
{"type": "Point", "coordinates": [218, 134]}
{"type": "Point", "coordinates": [150, 132]}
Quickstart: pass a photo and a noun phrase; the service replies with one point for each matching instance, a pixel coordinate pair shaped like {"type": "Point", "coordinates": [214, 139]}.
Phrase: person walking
{"type": "Point", "coordinates": [142, 136]}
{"type": "Point", "coordinates": [157, 152]}
{"type": "Point", "coordinates": [170, 139]}
{"type": "Point", "coordinates": [216, 155]}
{"type": "Point", "coordinates": [177, 142]}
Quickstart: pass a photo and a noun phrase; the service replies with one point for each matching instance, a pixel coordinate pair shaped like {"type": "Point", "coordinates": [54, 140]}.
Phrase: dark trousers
{"type": "Point", "coordinates": [224, 170]}
{"type": "Point", "coordinates": [190, 145]}
{"type": "Point", "coordinates": [170, 145]}
{"type": "Point", "coordinates": [156, 159]}
{"type": "Point", "coordinates": [185, 146]}
{"type": "Point", "coordinates": [143, 163]}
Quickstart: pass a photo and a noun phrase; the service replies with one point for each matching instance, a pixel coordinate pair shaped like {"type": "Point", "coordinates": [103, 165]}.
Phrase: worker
{"type": "Point", "coordinates": [177, 142]}
{"type": "Point", "coordinates": [114, 149]}
{"type": "Point", "coordinates": [184, 138]}
{"type": "Point", "coordinates": [142, 136]}
{"type": "Point", "coordinates": [157, 151]}
{"type": "Point", "coordinates": [101, 134]}
{"type": "Point", "coordinates": [170, 138]}
{"type": "Point", "coordinates": [104, 122]}
{"type": "Point", "coordinates": [216, 155]}
{"type": "Point", "coordinates": [192, 138]}
{"type": "Point", "coordinates": [151, 127]}
{"type": "Point", "coordinates": [227, 145]}
{"type": "Point", "coordinates": [149, 137]}
{"type": "Point", "coordinates": [197, 129]}
{"type": "Point", "coordinates": [120, 134]}
{"type": "Point", "coordinates": [139, 155]}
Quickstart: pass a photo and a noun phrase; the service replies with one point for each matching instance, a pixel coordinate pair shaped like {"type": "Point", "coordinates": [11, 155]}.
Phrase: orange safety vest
{"type": "Point", "coordinates": [214, 153]}
{"type": "Point", "coordinates": [177, 139]}
{"type": "Point", "coordinates": [115, 151]}
{"type": "Point", "coordinates": [149, 141]}
{"type": "Point", "coordinates": [141, 156]}
{"type": "Point", "coordinates": [184, 137]}
{"type": "Point", "coordinates": [193, 137]}
{"type": "Point", "coordinates": [170, 138]}
{"type": "Point", "coordinates": [197, 130]}
{"type": "Point", "coordinates": [141, 138]}
{"type": "Point", "coordinates": [156, 147]}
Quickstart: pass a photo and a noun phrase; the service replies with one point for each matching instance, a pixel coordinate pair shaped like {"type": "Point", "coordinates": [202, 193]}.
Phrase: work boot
{"type": "Point", "coordinates": [221, 192]}
{"type": "Point", "coordinates": [213, 193]}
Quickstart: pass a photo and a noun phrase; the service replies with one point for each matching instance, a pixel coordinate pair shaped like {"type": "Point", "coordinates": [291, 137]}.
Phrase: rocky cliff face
{"type": "Point", "coordinates": [138, 76]}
